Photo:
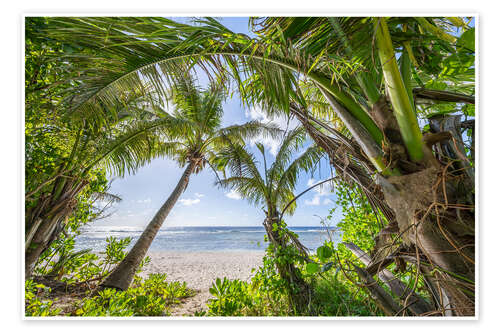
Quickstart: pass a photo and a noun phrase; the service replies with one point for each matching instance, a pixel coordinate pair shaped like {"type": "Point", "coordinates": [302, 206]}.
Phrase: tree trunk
{"type": "Point", "coordinates": [432, 202]}
{"type": "Point", "coordinates": [45, 222]}
{"type": "Point", "coordinates": [383, 299]}
{"type": "Point", "coordinates": [431, 216]}
{"type": "Point", "coordinates": [41, 240]}
{"type": "Point", "coordinates": [407, 297]}
{"type": "Point", "coordinates": [121, 277]}
{"type": "Point", "coordinates": [299, 290]}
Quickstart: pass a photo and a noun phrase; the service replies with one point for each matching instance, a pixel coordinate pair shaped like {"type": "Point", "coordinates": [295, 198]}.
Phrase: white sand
{"type": "Point", "coordinates": [200, 269]}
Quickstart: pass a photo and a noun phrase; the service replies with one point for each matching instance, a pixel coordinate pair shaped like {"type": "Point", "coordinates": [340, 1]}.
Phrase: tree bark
{"type": "Point", "coordinates": [434, 221]}
{"type": "Point", "coordinates": [433, 204]}
{"type": "Point", "coordinates": [45, 222]}
{"type": "Point", "coordinates": [121, 277]}
{"type": "Point", "coordinates": [444, 96]}
{"type": "Point", "coordinates": [416, 304]}
{"type": "Point", "coordinates": [383, 299]}
{"type": "Point", "coordinates": [43, 237]}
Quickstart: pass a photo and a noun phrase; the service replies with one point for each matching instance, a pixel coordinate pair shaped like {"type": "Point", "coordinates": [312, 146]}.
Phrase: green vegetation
{"type": "Point", "coordinates": [389, 101]}
{"type": "Point", "coordinates": [194, 139]}
{"type": "Point", "coordinates": [267, 295]}
{"type": "Point", "coordinates": [77, 272]}
{"type": "Point", "coordinates": [35, 306]}
{"type": "Point", "coordinates": [151, 297]}
{"type": "Point", "coordinates": [273, 190]}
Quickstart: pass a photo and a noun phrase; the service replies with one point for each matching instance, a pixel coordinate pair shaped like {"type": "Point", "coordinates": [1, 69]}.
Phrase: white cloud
{"type": "Point", "coordinates": [189, 202]}
{"type": "Point", "coordinates": [327, 202]}
{"type": "Point", "coordinates": [269, 143]}
{"type": "Point", "coordinates": [311, 182]}
{"type": "Point", "coordinates": [323, 189]}
{"type": "Point", "coordinates": [233, 195]}
{"type": "Point", "coordinates": [145, 201]}
{"type": "Point", "coordinates": [314, 202]}
{"type": "Point", "coordinates": [256, 113]}
{"type": "Point", "coordinates": [199, 195]}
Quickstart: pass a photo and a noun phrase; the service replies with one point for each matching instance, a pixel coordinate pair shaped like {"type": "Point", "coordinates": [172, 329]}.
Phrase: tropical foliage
{"type": "Point", "coordinates": [195, 136]}
{"type": "Point", "coordinates": [389, 100]}
{"type": "Point", "coordinates": [273, 190]}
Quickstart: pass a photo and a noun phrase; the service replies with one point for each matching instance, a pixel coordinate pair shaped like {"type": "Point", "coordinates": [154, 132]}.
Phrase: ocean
{"type": "Point", "coordinates": [197, 239]}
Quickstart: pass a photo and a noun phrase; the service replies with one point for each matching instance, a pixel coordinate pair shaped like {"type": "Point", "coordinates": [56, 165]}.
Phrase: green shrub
{"type": "Point", "coordinates": [76, 266]}
{"type": "Point", "coordinates": [232, 297]}
{"type": "Point", "coordinates": [334, 298]}
{"type": "Point", "coordinates": [149, 297]}
{"type": "Point", "coordinates": [34, 305]}
{"type": "Point", "coordinates": [265, 295]}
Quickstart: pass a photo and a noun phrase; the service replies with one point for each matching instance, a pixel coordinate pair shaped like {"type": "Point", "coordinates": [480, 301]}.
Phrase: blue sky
{"type": "Point", "coordinates": [203, 204]}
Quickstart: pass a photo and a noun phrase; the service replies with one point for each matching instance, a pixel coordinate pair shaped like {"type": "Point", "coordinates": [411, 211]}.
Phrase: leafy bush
{"type": "Point", "coordinates": [334, 296]}
{"type": "Point", "coordinates": [68, 265]}
{"type": "Point", "coordinates": [150, 297]}
{"type": "Point", "coordinates": [265, 295]}
{"type": "Point", "coordinates": [240, 298]}
{"type": "Point", "coordinates": [231, 297]}
{"type": "Point", "coordinates": [34, 305]}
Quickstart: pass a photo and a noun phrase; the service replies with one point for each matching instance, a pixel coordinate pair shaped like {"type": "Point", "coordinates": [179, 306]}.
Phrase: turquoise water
{"type": "Point", "coordinates": [198, 239]}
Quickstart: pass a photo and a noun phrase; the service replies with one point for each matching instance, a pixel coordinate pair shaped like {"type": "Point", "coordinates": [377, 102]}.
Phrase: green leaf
{"type": "Point", "coordinates": [468, 40]}
{"type": "Point", "coordinates": [324, 252]}
{"type": "Point", "coordinates": [140, 301]}
{"type": "Point", "coordinates": [312, 268]}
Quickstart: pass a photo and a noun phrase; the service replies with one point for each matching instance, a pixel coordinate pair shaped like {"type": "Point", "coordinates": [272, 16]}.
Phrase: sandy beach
{"type": "Point", "coordinates": [200, 269]}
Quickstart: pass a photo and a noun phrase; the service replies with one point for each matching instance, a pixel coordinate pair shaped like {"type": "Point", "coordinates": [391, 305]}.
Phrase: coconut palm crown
{"type": "Point", "coordinates": [195, 135]}
{"type": "Point", "coordinates": [274, 188]}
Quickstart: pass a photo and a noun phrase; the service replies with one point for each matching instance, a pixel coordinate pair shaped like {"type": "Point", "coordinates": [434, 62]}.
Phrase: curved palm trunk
{"type": "Point", "coordinates": [121, 277]}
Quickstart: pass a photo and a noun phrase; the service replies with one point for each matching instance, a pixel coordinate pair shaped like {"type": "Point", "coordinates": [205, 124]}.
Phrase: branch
{"type": "Point", "coordinates": [444, 96]}
{"type": "Point", "coordinates": [298, 196]}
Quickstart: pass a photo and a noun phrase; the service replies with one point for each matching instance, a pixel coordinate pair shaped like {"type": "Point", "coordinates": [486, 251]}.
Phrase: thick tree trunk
{"type": "Point", "coordinates": [121, 277]}
{"type": "Point", "coordinates": [46, 220]}
{"type": "Point", "coordinates": [40, 240]}
{"type": "Point", "coordinates": [436, 222]}
{"type": "Point", "coordinates": [432, 204]}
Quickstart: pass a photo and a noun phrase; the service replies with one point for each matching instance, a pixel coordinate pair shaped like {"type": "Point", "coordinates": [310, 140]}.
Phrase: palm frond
{"type": "Point", "coordinates": [105, 196]}
{"type": "Point", "coordinates": [153, 50]}
{"type": "Point", "coordinates": [248, 187]}
{"type": "Point", "coordinates": [135, 145]}
{"type": "Point", "coordinates": [240, 163]}
{"type": "Point", "coordinates": [306, 162]}
{"type": "Point", "coordinates": [244, 132]}
{"type": "Point", "coordinates": [290, 143]}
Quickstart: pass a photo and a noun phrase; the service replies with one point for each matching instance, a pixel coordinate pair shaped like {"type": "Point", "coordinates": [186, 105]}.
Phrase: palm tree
{"type": "Point", "coordinates": [196, 130]}
{"type": "Point", "coordinates": [273, 189]}
{"type": "Point", "coordinates": [338, 70]}
{"type": "Point", "coordinates": [408, 170]}
{"type": "Point", "coordinates": [120, 148]}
